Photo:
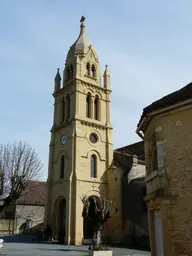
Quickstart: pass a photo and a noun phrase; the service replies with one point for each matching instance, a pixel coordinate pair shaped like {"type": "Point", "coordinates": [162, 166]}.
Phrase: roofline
{"type": "Point", "coordinates": [122, 153]}
{"type": "Point", "coordinates": [139, 128]}
{"type": "Point", "coordinates": [124, 147]}
{"type": "Point", "coordinates": [146, 118]}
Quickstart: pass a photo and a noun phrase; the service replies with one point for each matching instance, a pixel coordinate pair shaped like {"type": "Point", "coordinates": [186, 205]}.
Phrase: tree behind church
{"type": "Point", "coordinates": [19, 165]}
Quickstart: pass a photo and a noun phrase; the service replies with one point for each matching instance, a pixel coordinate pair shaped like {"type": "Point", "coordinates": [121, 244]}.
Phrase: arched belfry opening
{"type": "Point", "coordinates": [59, 226]}
{"type": "Point", "coordinates": [94, 201]}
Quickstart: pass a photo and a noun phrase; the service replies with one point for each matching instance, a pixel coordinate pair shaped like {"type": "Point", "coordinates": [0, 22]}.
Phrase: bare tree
{"type": "Point", "coordinates": [19, 165]}
{"type": "Point", "coordinates": [98, 210]}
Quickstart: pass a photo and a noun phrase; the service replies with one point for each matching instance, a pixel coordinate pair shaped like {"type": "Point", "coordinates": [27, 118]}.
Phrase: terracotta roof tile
{"type": "Point", "coordinates": [34, 194]}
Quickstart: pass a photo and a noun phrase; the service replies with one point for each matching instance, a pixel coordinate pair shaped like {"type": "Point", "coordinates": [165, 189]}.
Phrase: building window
{"type": "Point", "coordinates": [68, 72]}
{"type": "Point", "coordinates": [152, 154]}
{"type": "Point", "coordinates": [88, 69]}
{"type": "Point", "coordinates": [71, 71]}
{"type": "Point", "coordinates": [62, 167]}
{"type": "Point", "coordinates": [62, 110]}
{"type": "Point", "coordinates": [68, 106]}
{"type": "Point", "coordinates": [88, 106]}
{"type": "Point", "coordinates": [93, 71]}
{"type": "Point", "coordinates": [93, 138]}
{"type": "Point", "coordinates": [93, 166]}
{"type": "Point", "coordinates": [96, 108]}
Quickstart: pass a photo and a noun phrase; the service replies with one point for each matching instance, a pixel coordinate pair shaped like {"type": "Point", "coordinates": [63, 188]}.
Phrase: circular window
{"type": "Point", "coordinates": [93, 138]}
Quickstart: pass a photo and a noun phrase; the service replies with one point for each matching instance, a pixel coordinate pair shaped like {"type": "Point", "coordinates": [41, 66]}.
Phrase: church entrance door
{"type": "Point", "coordinates": [61, 220]}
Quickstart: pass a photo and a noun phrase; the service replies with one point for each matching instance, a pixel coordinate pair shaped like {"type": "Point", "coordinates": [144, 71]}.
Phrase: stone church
{"type": "Point", "coordinates": [81, 157]}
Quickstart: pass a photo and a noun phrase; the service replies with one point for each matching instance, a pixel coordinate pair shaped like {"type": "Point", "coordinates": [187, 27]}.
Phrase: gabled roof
{"type": "Point", "coordinates": [181, 95]}
{"type": "Point", "coordinates": [34, 194]}
{"type": "Point", "coordinates": [134, 149]}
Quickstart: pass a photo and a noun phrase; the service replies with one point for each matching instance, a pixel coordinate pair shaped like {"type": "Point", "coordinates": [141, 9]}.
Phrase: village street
{"type": "Point", "coordinates": [33, 249]}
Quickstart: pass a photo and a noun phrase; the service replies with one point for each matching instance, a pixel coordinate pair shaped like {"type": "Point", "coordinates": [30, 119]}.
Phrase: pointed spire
{"type": "Point", "coordinates": [106, 78]}
{"type": "Point", "coordinates": [106, 72]}
{"type": "Point", "coordinates": [57, 81]}
{"type": "Point", "coordinates": [58, 77]}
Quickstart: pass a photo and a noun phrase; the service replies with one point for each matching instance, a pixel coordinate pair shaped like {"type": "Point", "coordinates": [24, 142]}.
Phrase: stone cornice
{"type": "Point", "coordinates": [98, 87]}
{"type": "Point", "coordinates": [83, 122]}
{"type": "Point", "coordinates": [94, 125]}
{"type": "Point", "coordinates": [92, 181]}
{"type": "Point", "coordinates": [60, 126]}
{"type": "Point", "coordinates": [64, 88]}
{"type": "Point", "coordinates": [73, 81]}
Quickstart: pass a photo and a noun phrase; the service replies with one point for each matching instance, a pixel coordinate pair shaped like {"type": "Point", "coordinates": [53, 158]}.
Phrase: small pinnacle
{"type": "Point", "coordinates": [58, 70]}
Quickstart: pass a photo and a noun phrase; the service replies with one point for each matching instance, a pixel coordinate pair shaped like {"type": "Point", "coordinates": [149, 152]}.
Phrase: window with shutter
{"type": "Point", "coordinates": [152, 154]}
{"type": "Point", "coordinates": [160, 154]}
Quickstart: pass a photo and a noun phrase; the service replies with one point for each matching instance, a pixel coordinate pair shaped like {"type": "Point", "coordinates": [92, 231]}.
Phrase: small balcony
{"type": "Point", "coordinates": [156, 182]}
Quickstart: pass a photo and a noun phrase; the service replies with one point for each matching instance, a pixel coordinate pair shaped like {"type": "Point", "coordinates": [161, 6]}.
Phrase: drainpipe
{"type": "Point", "coordinates": [139, 128]}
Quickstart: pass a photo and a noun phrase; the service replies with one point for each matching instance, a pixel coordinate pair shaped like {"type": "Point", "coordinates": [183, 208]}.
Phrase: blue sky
{"type": "Point", "coordinates": [147, 45]}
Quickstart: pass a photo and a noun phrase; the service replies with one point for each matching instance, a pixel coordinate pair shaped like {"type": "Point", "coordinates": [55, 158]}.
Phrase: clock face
{"type": "Point", "coordinates": [63, 139]}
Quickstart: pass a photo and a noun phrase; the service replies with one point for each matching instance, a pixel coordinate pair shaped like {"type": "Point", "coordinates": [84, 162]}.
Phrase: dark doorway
{"type": "Point", "coordinates": [62, 217]}
{"type": "Point", "coordinates": [87, 222]}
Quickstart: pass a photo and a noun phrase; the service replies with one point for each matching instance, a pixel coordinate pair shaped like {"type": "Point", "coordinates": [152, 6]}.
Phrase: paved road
{"type": "Point", "coordinates": [24, 249]}
{"type": "Point", "coordinates": [27, 245]}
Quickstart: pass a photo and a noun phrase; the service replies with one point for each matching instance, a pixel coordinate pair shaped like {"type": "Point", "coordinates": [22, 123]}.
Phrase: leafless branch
{"type": "Point", "coordinates": [19, 165]}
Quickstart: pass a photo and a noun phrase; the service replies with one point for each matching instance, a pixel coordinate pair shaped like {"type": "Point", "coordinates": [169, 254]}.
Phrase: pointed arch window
{"type": "Point", "coordinates": [68, 106]}
{"type": "Point", "coordinates": [68, 72]}
{"type": "Point", "coordinates": [71, 71]}
{"type": "Point", "coordinates": [93, 166]}
{"type": "Point", "coordinates": [93, 71]}
{"type": "Point", "coordinates": [88, 69]}
{"type": "Point", "coordinates": [88, 105]}
{"type": "Point", "coordinates": [62, 110]}
{"type": "Point", "coordinates": [62, 167]}
{"type": "Point", "coordinates": [96, 108]}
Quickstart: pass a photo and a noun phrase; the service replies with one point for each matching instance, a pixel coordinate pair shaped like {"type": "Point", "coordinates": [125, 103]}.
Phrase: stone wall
{"type": "Point", "coordinates": [129, 223]}
{"type": "Point", "coordinates": [28, 212]}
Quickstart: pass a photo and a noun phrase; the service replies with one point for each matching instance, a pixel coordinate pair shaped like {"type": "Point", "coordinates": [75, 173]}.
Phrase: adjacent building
{"type": "Point", "coordinates": [28, 212]}
{"type": "Point", "coordinates": [165, 127]}
{"type": "Point", "coordinates": [126, 186]}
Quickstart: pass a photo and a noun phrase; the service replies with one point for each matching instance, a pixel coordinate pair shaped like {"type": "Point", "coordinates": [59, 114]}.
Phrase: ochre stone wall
{"type": "Point", "coordinates": [114, 224]}
{"type": "Point", "coordinates": [175, 204]}
{"type": "Point", "coordinates": [6, 226]}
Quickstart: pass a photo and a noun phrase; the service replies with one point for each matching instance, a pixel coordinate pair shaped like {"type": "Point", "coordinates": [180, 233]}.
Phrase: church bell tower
{"type": "Point", "coordinates": [81, 146]}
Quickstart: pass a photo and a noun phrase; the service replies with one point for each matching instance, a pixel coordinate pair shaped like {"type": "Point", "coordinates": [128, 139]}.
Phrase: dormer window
{"type": "Point", "coordinates": [88, 69]}
{"type": "Point", "coordinates": [93, 71]}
